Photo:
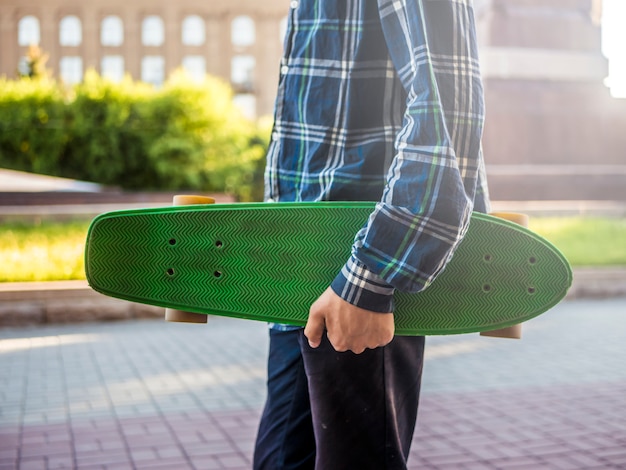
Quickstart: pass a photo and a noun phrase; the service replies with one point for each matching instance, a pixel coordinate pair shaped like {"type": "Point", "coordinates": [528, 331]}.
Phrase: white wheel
{"type": "Point", "coordinates": [515, 331]}
{"type": "Point", "coordinates": [181, 316]}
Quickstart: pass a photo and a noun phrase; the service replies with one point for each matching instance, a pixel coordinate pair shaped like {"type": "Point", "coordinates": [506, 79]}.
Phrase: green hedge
{"type": "Point", "coordinates": [183, 136]}
{"type": "Point", "coordinates": [33, 132]}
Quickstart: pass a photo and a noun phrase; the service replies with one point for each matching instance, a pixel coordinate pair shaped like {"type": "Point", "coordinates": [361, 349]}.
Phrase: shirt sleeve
{"type": "Point", "coordinates": [431, 184]}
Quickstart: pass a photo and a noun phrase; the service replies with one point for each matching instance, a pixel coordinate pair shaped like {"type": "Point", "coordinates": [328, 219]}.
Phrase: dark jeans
{"type": "Point", "coordinates": [333, 411]}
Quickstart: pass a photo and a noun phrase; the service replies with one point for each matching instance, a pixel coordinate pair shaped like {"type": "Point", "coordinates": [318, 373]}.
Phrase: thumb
{"type": "Point", "coordinates": [314, 327]}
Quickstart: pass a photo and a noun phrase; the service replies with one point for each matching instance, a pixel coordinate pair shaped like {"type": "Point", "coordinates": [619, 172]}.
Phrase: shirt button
{"type": "Point", "coordinates": [274, 136]}
{"type": "Point", "coordinates": [284, 69]}
{"type": "Point", "coordinates": [294, 4]}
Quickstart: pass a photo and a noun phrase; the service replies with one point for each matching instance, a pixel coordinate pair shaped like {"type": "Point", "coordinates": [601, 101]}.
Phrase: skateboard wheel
{"type": "Point", "coordinates": [516, 217]}
{"type": "Point", "coordinates": [187, 200]}
{"type": "Point", "coordinates": [515, 331]}
{"type": "Point", "coordinates": [180, 316]}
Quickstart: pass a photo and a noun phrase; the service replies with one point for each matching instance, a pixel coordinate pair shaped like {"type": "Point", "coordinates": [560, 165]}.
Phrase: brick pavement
{"type": "Point", "coordinates": [152, 395]}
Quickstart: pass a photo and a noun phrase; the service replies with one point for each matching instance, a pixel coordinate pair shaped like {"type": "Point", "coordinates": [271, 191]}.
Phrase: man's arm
{"type": "Point", "coordinates": [425, 209]}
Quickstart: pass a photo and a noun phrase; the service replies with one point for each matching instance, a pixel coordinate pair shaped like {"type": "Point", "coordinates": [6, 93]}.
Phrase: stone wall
{"type": "Point", "coordinates": [553, 131]}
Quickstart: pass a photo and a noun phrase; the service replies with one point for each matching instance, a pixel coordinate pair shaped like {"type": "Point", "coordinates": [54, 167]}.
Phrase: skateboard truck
{"type": "Point", "coordinates": [515, 331]}
{"type": "Point", "coordinates": [180, 316]}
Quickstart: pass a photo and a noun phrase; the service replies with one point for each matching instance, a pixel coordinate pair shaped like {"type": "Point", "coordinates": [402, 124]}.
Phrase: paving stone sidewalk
{"type": "Point", "coordinates": [146, 394]}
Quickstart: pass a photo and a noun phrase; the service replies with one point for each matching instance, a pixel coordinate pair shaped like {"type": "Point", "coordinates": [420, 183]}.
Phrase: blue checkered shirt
{"type": "Point", "coordinates": [383, 101]}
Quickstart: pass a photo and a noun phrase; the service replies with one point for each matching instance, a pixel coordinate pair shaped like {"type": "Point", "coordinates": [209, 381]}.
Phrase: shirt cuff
{"type": "Point", "coordinates": [359, 286]}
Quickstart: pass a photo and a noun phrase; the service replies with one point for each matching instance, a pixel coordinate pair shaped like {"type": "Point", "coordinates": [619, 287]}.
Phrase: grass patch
{"type": "Point", "coordinates": [585, 241]}
{"type": "Point", "coordinates": [54, 251]}
{"type": "Point", "coordinates": [42, 252]}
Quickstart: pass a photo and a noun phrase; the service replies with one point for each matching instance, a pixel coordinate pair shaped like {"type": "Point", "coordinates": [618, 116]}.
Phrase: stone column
{"type": "Point", "coordinates": [220, 45]}
{"type": "Point", "coordinates": [8, 38]}
{"type": "Point", "coordinates": [91, 39]}
{"type": "Point", "coordinates": [49, 21]}
{"type": "Point", "coordinates": [213, 46]}
{"type": "Point", "coordinates": [173, 41]}
{"type": "Point", "coordinates": [132, 42]}
{"type": "Point", "coordinates": [268, 53]}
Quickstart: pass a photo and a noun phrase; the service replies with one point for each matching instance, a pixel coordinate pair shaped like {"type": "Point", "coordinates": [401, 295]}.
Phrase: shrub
{"type": "Point", "coordinates": [32, 125]}
{"type": "Point", "coordinates": [200, 131]}
{"type": "Point", "coordinates": [104, 142]}
{"type": "Point", "coordinates": [183, 136]}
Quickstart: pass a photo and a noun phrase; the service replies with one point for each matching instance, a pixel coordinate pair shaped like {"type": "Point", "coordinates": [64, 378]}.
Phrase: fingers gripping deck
{"type": "Point", "coordinates": [269, 262]}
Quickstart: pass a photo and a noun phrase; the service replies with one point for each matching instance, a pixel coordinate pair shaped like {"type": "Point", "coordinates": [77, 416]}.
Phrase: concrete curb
{"type": "Point", "coordinates": [598, 282]}
{"type": "Point", "coordinates": [38, 303]}
{"type": "Point", "coordinates": [35, 303]}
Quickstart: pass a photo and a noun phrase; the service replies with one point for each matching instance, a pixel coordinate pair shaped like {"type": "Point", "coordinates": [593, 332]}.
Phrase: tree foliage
{"type": "Point", "coordinates": [183, 136]}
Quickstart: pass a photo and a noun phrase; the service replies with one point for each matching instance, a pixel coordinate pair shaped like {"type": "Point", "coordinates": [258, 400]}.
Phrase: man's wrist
{"type": "Point", "coordinates": [359, 286]}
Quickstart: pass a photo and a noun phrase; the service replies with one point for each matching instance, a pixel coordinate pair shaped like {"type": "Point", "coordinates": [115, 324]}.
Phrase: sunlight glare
{"type": "Point", "coordinates": [20, 344]}
{"type": "Point", "coordinates": [613, 41]}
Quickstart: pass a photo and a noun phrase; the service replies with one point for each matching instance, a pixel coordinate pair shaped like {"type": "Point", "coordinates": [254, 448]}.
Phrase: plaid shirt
{"type": "Point", "coordinates": [383, 101]}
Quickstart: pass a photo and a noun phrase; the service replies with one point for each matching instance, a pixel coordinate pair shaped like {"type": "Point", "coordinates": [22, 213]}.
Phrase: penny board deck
{"type": "Point", "coordinates": [270, 261]}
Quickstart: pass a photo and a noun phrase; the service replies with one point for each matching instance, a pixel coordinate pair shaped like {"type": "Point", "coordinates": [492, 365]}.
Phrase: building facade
{"type": "Point", "coordinates": [239, 41]}
{"type": "Point", "coordinates": [552, 132]}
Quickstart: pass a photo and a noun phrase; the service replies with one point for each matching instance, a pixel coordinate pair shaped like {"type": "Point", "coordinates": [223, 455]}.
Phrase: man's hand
{"type": "Point", "coordinates": [349, 328]}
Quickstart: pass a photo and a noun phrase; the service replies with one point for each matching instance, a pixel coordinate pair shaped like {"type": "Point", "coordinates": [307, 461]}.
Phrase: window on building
{"type": "Point", "coordinates": [28, 31]}
{"type": "Point", "coordinates": [193, 33]}
{"type": "Point", "coordinates": [112, 31]}
{"type": "Point", "coordinates": [246, 102]}
{"type": "Point", "coordinates": [71, 69]}
{"type": "Point", "coordinates": [112, 67]}
{"type": "Point", "coordinates": [242, 71]}
{"type": "Point", "coordinates": [242, 31]}
{"type": "Point", "coordinates": [153, 69]}
{"type": "Point", "coordinates": [70, 31]}
{"type": "Point", "coordinates": [152, 31]}
{"type": "Point", "coordinates": [195, 66]}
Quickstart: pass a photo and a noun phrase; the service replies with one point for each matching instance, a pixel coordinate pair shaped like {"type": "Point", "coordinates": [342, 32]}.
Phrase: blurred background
{"type": "Point", "coordinates": [115, 104]}
{"type": "Point", "coordinates": [554, 73]}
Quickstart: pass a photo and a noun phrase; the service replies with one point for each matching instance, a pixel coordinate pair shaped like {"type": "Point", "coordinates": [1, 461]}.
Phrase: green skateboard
{"type": "Point", "coordinates": [270, 261]}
